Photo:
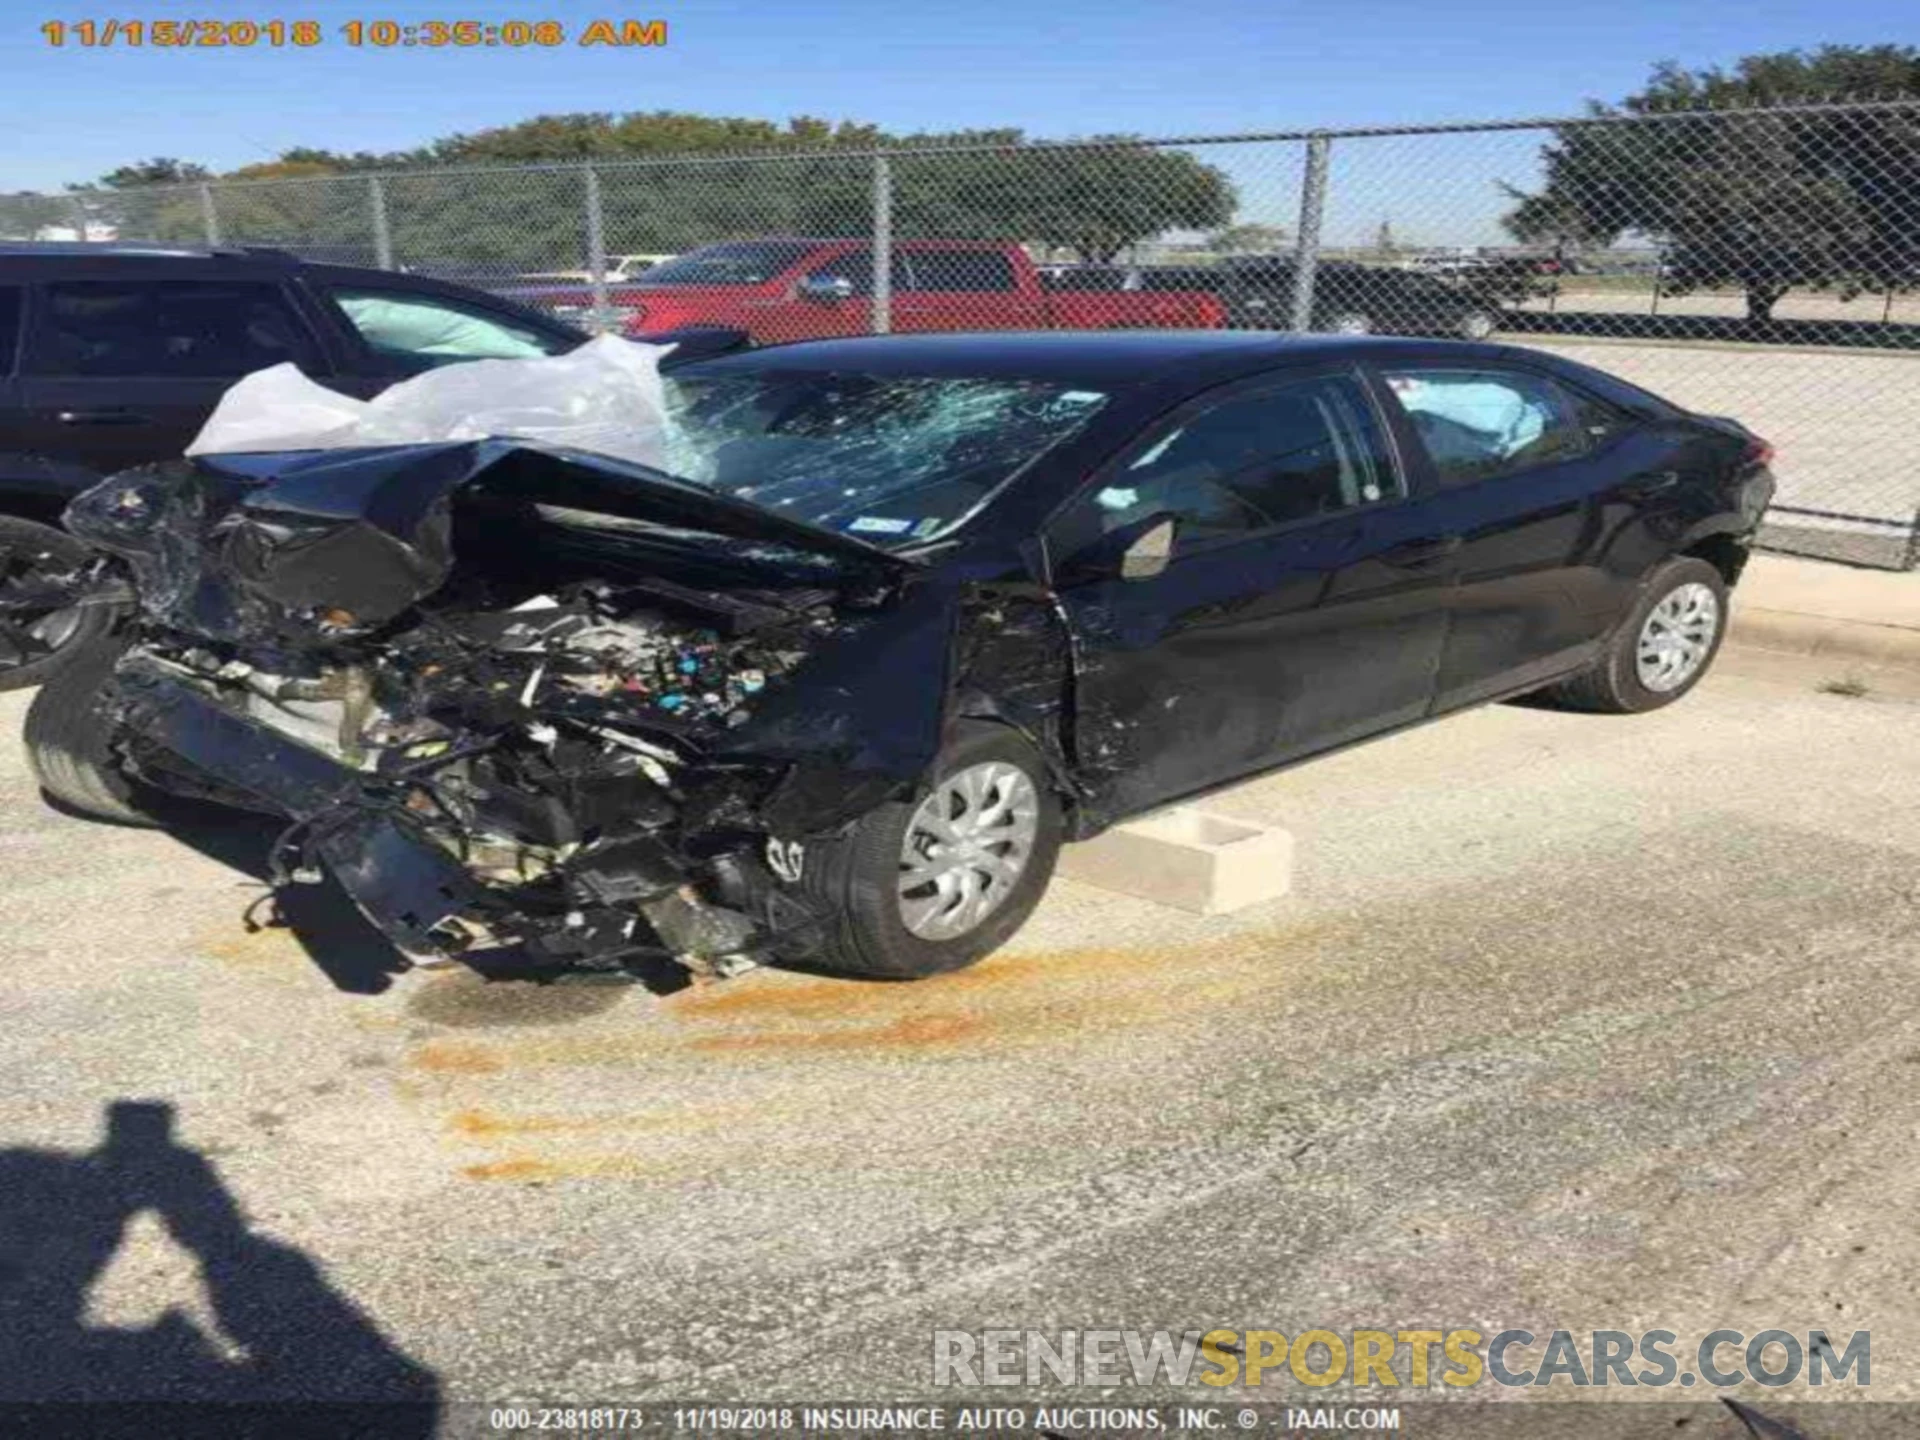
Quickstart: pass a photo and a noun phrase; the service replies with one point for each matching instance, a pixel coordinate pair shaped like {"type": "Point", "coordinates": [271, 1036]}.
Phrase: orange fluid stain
{"type": "Point", "coordinates": [489, 1126]}
{"type": "Point", "coordinates": [1018, 997]}
{"type": "Point", "coordinates": [520, 1168]}
{"type": "Point", "coordinates": [530, 1170]}
{"type": "Point", "coordinates": [907, 1032]}
{"type": "Point", "coordinates": [234, 946]}
{"type": "Point", "coordinates": [1014, 997]}
{"type": "Point", "coordinates": [448, 1057]}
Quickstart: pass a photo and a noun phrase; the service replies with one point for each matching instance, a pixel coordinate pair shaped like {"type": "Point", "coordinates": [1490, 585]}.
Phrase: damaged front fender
{"type": "Point", "coordinates": [510, 695]}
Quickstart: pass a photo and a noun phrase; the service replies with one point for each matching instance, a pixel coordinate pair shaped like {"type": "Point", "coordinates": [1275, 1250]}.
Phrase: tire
{"type": "Point", "coordinates": [69, 740]}
{"type": "Point", "coordinates": [857, 878]}
{"type": "Point", "coordinates": [1615, 683]}
{"type": "Point", "coordinates": [34, 645]}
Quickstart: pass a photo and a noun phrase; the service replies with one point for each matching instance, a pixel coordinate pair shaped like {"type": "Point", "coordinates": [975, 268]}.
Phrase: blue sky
{"type": "Point", "coordinates": [1056, 68]}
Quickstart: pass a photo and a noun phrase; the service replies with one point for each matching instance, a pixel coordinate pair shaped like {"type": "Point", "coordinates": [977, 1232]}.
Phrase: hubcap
{"type": "Point", "coordinates": [1477, 326]}
{"type": "Point", "coordinates": [966, 848]}
{"type": "Point", "coordinates": [1678, 634]}
{"type": "Point", "coordinates": [1352, 324]}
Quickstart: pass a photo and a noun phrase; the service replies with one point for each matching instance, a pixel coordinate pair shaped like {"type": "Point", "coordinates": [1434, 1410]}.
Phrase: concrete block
{"type": "Point", "coordinates": [1189, 859]}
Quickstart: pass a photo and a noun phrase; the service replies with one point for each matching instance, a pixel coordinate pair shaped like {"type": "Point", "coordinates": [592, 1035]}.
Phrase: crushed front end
{"type": "Point", "coordinates": [509, 697]}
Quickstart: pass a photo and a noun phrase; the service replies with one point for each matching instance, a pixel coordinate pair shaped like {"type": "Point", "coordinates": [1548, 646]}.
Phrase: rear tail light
{"type": "Point", "coordinates": [1758, 452]}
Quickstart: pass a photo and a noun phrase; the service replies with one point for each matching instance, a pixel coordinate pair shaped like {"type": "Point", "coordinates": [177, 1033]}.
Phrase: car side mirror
{"type": "Point", "coordinates": [825, 289]}
{"type": "Point", "coordinates": [1136, 551]}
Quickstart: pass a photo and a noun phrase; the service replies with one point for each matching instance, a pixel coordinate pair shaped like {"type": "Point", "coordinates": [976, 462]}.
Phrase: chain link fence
{"type": "Point", "coordinates": [1758, 263]}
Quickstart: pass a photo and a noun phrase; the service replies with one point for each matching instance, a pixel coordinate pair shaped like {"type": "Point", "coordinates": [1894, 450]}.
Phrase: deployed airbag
{"type": "Point", "coordinates": [605, 397]}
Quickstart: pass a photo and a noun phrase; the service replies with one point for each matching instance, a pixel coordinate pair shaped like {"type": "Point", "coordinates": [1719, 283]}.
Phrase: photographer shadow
{"type": "Point", "coordinates": [272, 1338]}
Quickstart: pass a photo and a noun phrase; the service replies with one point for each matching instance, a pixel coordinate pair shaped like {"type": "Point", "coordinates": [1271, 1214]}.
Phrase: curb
{"type": "Point", "coordinates": [1795, 633]}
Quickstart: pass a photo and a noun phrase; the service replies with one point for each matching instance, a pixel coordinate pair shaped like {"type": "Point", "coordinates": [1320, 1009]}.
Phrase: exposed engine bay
{"type": "Point", "coordinates": [545, 744]}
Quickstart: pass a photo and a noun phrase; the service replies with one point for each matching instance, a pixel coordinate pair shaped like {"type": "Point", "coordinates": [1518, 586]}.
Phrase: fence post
{"type": "Point", "coordinates": [597, 253]}
{"type": "Point", "coordinates": [79, 217]}
{"type": "Point", "coordinates": [382, 230]}
{"type": "Point", "coordinates": [209, 217]}
{"type": "Point", "coordinates": [882, 245]}
{"type": "Point", "coordinates": [1313, 204]}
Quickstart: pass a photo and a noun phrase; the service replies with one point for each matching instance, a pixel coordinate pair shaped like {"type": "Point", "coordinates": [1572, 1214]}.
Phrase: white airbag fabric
{"type": "Point", "coordinates": [605, 397]}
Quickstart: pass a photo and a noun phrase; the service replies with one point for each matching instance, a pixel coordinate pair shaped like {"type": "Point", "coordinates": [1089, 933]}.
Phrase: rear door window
{"type": "Point", "coordinates": [166, 328]}
{"type": "Point", "coordinates": [1483, 424]}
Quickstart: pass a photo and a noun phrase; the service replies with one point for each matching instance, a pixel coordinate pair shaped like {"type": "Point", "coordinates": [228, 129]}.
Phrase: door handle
{"type": "Point", "coordinates": [1422, 552]}
{"type": "Point", "coordinates": [101, 417]}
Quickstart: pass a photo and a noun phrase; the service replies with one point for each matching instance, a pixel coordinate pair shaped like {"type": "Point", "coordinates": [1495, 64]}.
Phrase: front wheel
{"type": "Point", "coordinates": [37, 632]}
{"type": "Point", "coordinates": [70, 736]}
{"type": "Point", "coordinates": [931, 884]}
{"type": "Point", "coordinates": [1662, 650]}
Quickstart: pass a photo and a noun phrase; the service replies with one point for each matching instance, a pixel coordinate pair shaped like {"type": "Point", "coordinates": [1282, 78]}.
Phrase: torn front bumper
{"type": "Point", "coordinates": [416, 893]}
{"type": "Point", "coordinates": [360, 827]}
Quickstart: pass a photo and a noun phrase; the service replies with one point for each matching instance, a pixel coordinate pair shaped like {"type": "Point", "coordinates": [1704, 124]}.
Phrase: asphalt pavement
{"type": "Point", "coordinates": [1574, 1022]}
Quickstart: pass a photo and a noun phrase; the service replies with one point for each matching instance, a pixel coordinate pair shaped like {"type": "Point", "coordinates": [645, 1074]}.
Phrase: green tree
{"type": "Point", "coordinates": [448, 201]}
{"type": "Point", "coordinates": [161, 170]}
{"type": "Point", "coordinates": [24, 214]}
{"type": "Point", "coordinates": [1750, 198]}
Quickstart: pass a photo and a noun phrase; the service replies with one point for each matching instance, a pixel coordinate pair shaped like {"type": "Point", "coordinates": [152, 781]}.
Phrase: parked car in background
{"type": "Point", "coordinates": [1352, 299]}
{"type": "Point", "coordinates": [778, 290]}
{"type": "Point", "coordinates": [1449, 264]}
{"type": "Point", "coordinates": [619, 268]}
{"type": "Point", "coordinates": [114, 355]}
{"type": "Point", "coordinates": [906, 613]}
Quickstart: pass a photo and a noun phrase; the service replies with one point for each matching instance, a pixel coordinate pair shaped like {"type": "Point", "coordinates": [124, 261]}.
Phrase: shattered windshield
{"type": "Point", "coordinates": [892, 460]}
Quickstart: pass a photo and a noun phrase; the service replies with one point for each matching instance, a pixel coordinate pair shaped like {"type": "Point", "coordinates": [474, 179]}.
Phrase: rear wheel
{"type": "Point", "coordinates": [70, 740]}
{"type": "Point", "coordinates": [37, 637]}
{"type": "Point", "coordinates": [1350, 322]}
{"type": "Point", "coordinates": [928, 885]}
{"type": "Point", "coordinates": [1662, 650]}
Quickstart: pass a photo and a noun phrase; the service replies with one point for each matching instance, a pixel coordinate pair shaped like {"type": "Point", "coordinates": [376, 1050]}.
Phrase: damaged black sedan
{"type": "Point", "coordinates": [892, 620]}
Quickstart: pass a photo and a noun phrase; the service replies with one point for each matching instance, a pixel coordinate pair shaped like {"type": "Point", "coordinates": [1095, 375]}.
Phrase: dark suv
{"type": "Point", "coordinates": [114, 355]}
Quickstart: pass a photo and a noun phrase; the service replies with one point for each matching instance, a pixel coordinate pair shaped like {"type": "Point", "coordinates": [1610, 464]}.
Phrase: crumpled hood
{"type": "Point", "coordinates": [248, 547]}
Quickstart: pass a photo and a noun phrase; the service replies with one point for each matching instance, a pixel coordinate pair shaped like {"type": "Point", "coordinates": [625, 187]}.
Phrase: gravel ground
{"type": "Point", "coordinates": [1574, 1022]}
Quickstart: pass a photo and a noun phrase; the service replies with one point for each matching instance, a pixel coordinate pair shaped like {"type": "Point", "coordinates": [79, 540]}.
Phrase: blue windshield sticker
{"type": "Point", "coordinates": [879, 525]}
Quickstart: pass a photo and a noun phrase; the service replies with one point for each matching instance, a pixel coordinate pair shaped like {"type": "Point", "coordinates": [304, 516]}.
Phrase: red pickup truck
{"type": "Point", "coordinates": [787, 289]}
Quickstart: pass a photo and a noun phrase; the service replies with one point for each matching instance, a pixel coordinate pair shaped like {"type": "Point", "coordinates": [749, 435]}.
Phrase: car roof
{"type": "Point", "coordinates": [1108, 358]}
{"type": "Point", "coordinates": [107, 250]}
